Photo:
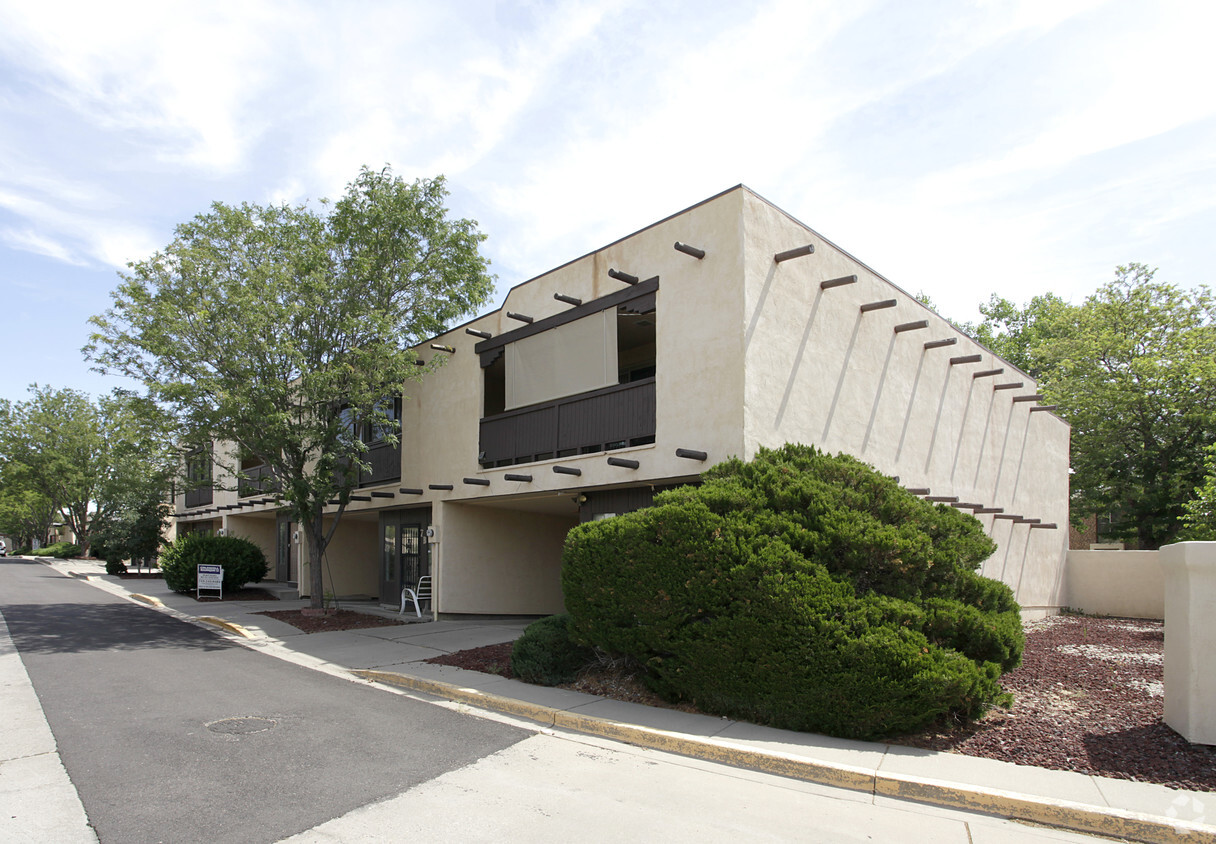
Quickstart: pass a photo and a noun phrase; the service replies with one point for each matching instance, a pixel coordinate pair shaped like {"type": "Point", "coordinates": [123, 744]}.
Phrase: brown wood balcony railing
{"type": "Point", "coordinates": [257, 481]}
{"type": "Point", "coordinates": [199, 496]}
{"type": "Point", "coordinates": [384, 461]}
{"type": "Point", "coordinates": [612, 417]}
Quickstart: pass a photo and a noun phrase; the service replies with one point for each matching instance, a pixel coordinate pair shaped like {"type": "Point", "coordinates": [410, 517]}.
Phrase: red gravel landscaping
{"type": "Point", "coordinates": [1088, 698]}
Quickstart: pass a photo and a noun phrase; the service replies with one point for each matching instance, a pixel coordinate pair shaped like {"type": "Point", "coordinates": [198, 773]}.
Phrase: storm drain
{"type": "Point", "coordinates": [242, 725]}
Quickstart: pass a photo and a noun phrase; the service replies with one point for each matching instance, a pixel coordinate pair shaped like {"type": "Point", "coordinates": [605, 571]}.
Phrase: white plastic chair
{"type": "Point", "coordinates": [420, 592]}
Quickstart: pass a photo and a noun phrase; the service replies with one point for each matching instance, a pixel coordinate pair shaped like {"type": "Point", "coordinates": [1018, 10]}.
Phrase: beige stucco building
{"type": "Point", "coordinates": [725, 327]}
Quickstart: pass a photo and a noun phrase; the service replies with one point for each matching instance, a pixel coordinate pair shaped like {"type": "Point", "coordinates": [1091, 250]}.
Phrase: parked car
{"type": "Point", "coordinates": [3, 549]}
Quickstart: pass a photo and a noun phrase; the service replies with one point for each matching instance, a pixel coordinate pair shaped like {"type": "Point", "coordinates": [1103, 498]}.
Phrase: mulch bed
{"type": "Point", "coordinates": [1088, 698]}
{"type": "Point", "coordinates": [336, 620]}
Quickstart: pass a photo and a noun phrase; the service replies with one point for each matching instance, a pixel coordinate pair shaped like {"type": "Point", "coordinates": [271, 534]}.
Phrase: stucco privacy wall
{"type": "Point", "coordinates": [1190, 639]}
{"type": "Point", "coordinates": [821, 371]}
{"type": "Point", "coordinates": [1120, 583]}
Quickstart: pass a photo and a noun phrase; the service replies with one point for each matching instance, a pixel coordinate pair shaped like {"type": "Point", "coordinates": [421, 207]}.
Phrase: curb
{"type": "Point", "coordinates": [224, 624]}
{"type": "Point", "coordinates": [1062, 814]}
{"type": "Point", "coordinates": [146, 599]}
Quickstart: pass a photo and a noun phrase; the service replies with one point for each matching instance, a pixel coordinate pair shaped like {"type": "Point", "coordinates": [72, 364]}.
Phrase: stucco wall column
{"type": "Point", "coordinates": [1190, 639]}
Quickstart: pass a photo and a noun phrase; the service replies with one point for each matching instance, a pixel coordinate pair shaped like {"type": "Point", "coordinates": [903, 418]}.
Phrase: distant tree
{"type": "Point", "coordinates": [82, 457]}
{"type": "Point", "coordinates": [282, 330]}
{"type": "Point", "coordinates": [1199, 514]}
{"type": "Point", "coordinates": [1133, 370]}
{"type": "Point", "coordinates": [25, 515]}
{"type": "Point", "coordinates": [1018, 334]}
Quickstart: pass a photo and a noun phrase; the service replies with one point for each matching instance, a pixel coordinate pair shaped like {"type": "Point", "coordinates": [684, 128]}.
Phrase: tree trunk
{"type": "Point", "coordinates": [316, 547]}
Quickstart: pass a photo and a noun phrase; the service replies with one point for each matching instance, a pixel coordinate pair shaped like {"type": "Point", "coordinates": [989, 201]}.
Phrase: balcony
{"type": "Point", "coordinates": [198, 497]}
{"type": "Point", "coordinates": [612, 417]}
{"type": "Point", "coordinates": [258, 480]}
{"type": "Point", "coordinates": [384, 461]}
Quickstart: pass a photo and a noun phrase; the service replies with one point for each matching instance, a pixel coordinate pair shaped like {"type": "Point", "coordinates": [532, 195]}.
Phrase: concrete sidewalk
{"type": "Point", "coordinates": [395, 656]}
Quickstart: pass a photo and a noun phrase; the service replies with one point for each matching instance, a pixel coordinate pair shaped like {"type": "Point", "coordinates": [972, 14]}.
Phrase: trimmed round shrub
{"type": "Point", "coordinates": [799, 590]}
{"type": "Point", "coordinates": [243, 561]}
{"type": "Point", "coordinates": [115, 567]}
{"type": "Point", "coordinates": [546, 655]}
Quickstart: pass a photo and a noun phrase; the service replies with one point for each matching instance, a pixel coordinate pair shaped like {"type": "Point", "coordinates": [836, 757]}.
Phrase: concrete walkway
{"type": "Point", "coordinates": [394, 656]}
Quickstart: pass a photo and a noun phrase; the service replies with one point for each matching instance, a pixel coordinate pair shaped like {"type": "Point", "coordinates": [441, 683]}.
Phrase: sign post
{"type": "Point", "coordinates": [210, 579]}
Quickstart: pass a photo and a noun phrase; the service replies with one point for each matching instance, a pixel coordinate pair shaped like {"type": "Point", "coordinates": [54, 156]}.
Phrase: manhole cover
{"type": "Point", "coordinates": [241, 726]}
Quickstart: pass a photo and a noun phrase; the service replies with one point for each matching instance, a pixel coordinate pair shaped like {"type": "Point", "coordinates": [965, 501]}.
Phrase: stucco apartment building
{"type": "Point", "coordinates": [723, 328]}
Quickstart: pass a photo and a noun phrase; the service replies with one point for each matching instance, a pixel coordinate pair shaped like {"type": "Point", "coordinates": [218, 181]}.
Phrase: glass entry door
{"type": "Point", "coordinates": [404, 552]}
{"type": "Point", "coordinates": [282, 558]}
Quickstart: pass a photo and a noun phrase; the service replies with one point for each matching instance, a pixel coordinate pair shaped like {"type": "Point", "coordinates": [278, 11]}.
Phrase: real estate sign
{"type": "Point", "coordinates": [211, 578]}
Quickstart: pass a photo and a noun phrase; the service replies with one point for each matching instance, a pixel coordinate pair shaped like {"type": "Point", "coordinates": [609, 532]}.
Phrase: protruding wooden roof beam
{"type": "Point", "coordinates": [987, 373]}
{"type": "Point", "coordinates": [878, 306]}
{"type": "Point", "coordinates": [837, 282]}
{"type": "Point", "coordinates": [509, 476]}
{"type": "Point", "coordinates": [1012, 385]}
{"type": "Point", "coordinates": [569, 300]}
{"type": "Point", "coordinates": [692, 454]}
{"type": "Point", "coordinates": [439, 347]}
{"type": "Point", "coordinates": [796, 252]}
{"type": "Point", "coordinates": [623, 463]}
{"type": "Point", "coordinates": [620, 276]}
{"type": "Point", "coordinates": [484, 335]}
{"type": "Point", "coordinates": [567, 470]}
{"type": "Point", "coordinates": [911, 326]}
{"type": "Point", "coordinates": [1043, 407]}
{"type": "Point", "coordinates": [961, 359]}
{"type": "Point", "coordinates": [941, 344]}
{"type": "Point", "coordinates": [690, 250]}
{"type": "Point", "coordinates": [477, 481]}
{"type": "Point", "coordinates": [520, 317]}
{"type": "Point", "coordinates": [1034, 397]}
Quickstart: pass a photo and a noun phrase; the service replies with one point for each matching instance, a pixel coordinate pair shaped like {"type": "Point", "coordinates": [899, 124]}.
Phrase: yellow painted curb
{"type": "Point", "coordinates": [226, 625]}
{"type": "Point", "coordinates": [1112, 822]}
{"type": "Point", "coordinates": [1115, 823]}
{"type": "Point", "coordinates": [147, 599]}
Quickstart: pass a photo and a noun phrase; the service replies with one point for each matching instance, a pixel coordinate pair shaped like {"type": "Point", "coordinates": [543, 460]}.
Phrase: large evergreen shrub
{"type": "Point", "coordinates": [800, 590]}
{"type": "Point", "coordinates": [243, 561]}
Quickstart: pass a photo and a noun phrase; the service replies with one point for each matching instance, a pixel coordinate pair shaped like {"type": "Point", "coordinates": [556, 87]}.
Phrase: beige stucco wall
{"type": "Point", "coordinates": [821, 372]}
{"type": "Point", "coordinates": [352, 559]}
{"type": "Point", "coordinates": [498, 561]}
{"type": "Point", "coordinates": [1119, 583]}
{"type": "Point", "coordinates": [259, 530]}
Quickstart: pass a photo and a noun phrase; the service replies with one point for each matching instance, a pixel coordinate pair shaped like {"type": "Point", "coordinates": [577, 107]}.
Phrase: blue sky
{"type": "Point", "coordinates": [959, 148]}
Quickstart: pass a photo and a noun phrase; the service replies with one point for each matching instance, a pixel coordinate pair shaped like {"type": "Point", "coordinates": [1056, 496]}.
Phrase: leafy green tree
{"type": "Point", "coordinates": [1018, 334]}
{"type": "Point", "coordinates": [1199, 514]}
{"type": "Point", "coordinates": [81, 456]}
{"type": "Point", "coordinates": [1133, 370]}
{"type": "Point", "coordinates": [25, 514]}
{"type": "Point", "coordinates": [280, 329]}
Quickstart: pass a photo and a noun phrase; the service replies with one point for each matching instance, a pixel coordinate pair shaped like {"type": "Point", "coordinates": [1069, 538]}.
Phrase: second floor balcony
{"type": "Point", "coordinates": [601, 420]}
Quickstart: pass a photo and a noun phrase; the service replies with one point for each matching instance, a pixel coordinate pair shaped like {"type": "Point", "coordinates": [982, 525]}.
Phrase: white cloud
{"type": "Point", "coordinates": [28, 240]}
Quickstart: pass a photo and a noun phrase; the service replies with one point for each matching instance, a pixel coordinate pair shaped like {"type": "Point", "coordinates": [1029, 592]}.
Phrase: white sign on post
{"type": "Point", "coordinates": [211, 579]}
